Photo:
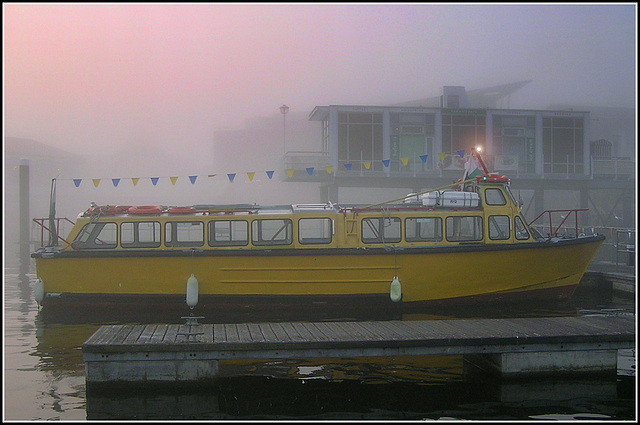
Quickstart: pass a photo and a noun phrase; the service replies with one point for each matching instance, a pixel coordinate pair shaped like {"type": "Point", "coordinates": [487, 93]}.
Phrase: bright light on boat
{"type": "Point", "coordinates": [478, 148]}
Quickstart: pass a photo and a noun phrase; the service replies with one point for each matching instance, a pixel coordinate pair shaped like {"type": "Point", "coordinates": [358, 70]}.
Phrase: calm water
{"type": "Point", "coordinates": [44, 377]}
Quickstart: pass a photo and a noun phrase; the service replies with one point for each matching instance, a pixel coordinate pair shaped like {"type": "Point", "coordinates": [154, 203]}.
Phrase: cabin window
{"type": "Point", "coordinates": [381, 230]}
{"type": "Point", "coordinates": [271, 232]}
{"type": "Point", "coordinates": [499, 227]}
{"type": "Point", "coordinates": [462, 229]}
{"type": "Point", "coordinates": [144, 234]}
{"type": "Point", "coordinates": [521, 230]}
{"type": "Point", "coordinates": [423, 229]}
{"type": "Point", "coordinates": [228, 233]}
{"type": "Point", "coordinates": [315, 230]}
{"type": "Point", "coordinates": [96, 236]}
{"type": "Point", "coordinates": [184, 233]}
{"type": "Point", "coordinates": [494, 197]}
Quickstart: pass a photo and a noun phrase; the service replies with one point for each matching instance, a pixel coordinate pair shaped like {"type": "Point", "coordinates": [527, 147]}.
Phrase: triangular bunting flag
{"type": "Point", "coordinates": [290, 172]}
{"type": "Point", "coordinates": [211, 175]}
{"type": "Point", "coordinates": [404, 160]}
{"type": "Point", "coordinates": [116, 182]}
{"type": "Point", "coordinates": [367, 164]}
{"type": "Point", "coordinates": [310, 171]}
{"type": "Point", "coordinates": [96, 182]}
{"type": "Point", "coordinates": [347, 166]}
{"type": "Point", "coordinates": [461, 153]}
{"type": "Point", "coordinates": [231, 177]}
{"type": "Point", "coordinates": [193, 179]}
{"type": "Point", "coordinates": [77, 182]}
{"type": "Point", "coordinates": [134, 180]}
{"type": "Point", "coordinates": [154, 180]}
{"type": "Point", "coordinates": [386, 162]}
{"type": "Point", "coordinates": [250, 175]}
{"type": "Point", "coordinates": [424, 158]}
{"type": "Point", "coordinates": [269, 174]}
{"type": "Point", "coordinates": [329, 169]}
{"type": "Point", "coordinates": [173, 180]}
{"type": "Point", "coordinates": [442, 155]}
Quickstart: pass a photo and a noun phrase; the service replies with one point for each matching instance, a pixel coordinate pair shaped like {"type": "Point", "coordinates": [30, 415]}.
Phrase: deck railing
{"type": "Point", "coordinates": [567, 213]}
{"type": "Point", "coordinates": [44, 229]}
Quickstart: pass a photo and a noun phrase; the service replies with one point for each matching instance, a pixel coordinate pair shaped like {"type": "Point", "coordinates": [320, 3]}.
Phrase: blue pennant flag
{"type": "Point", "coordinates": [77, 182]}
{"type": "Point", "coordinates": [270, 174]}
{"type": "Point", "coordinates": [461, 153]}
{"type": "Point", "coordinates": [347, 166]}
{"type": "Point", "coordinates": [386, 162]}
{"type": "Point", "coordinates": [231, 176]}
{"type": "Point", "coordinates": [115, 182]}
{"type": "Point", "coordinates": [154, 180]}
{"type": "Point", "coordinates": [193, 179]}
{"type": "Point", "coordinates": [424, 158]}
{"type": "Point", "coordinates": [310, 171]}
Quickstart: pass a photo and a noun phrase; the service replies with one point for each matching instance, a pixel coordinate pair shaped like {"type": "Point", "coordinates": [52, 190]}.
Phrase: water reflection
{"type": "Point", "coordinates": [44, 371]}
{"type": "Point", "coordinates": [268, 398]}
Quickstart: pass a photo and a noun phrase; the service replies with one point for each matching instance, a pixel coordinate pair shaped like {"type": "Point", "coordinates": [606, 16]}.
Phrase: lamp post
{"type": "Point", "coordinates": [283, 110]}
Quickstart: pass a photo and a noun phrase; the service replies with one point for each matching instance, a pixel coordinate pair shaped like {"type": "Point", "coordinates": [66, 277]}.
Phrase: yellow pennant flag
{"type": "Point", "coordinates": [250, 175]}
{"type": "Point", "coordinates": [405, 160]}
{"type": "Point", "coordinates": [211, 175]}
{"type": "Point", "coordinates": [96, 182]}
{"type": "Point", "coordinates": [329, 169]}
{"type": "Point", "coordinates": [134, 180]}
{"type": "Point", "coordinates": [367, 164]}
{"type": "Point", "coordinates": [290, 172]}
{"type": "Point", "coordinates": [173, 180]}
{"type": "Point", "coordinates": [442, 156]}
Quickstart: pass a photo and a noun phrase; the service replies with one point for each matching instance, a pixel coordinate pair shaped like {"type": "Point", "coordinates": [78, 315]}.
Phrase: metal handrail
{"type": "Point", "coordinates": [564, 218]}
{"type": "Point", "coordinates": [40, 222]}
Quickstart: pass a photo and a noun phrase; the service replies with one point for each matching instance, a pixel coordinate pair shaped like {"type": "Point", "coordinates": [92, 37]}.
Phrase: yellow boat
{"type": "Point", "coordinates": [466, 242]}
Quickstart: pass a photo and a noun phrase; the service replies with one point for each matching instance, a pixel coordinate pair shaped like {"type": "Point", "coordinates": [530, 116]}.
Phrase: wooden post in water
{"type": "Point", "coordinates": [25, 234]}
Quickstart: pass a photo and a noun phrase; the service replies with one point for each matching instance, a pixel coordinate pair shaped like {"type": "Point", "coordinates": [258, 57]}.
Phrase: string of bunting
{"type": "Point", "coordinates": [251, 174]}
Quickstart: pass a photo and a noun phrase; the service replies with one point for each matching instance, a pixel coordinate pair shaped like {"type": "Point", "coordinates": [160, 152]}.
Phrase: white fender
{"type": "Point", "coordinates": [192, 291]}
{"type": "Point", "coordinates": [395, 292]}
{"type": "Point", "coordinates": [39, 291]}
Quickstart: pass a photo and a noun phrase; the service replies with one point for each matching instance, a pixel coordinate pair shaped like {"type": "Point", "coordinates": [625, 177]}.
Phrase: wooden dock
{"type": "Point", "coordinates": [182, 353]}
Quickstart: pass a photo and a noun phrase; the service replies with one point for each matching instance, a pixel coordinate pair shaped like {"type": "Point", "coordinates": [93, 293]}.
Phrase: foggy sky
{"type": "Point", "coordinates": [95, 78]}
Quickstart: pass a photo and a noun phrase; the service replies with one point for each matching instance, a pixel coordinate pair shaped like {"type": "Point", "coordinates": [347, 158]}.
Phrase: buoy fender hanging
{"type": "Point", "coordinates": [395, 292]}
{"type": "Point", "coordinates": [39, 291]}
{"type": "Point", "coordinates": [192, 291]}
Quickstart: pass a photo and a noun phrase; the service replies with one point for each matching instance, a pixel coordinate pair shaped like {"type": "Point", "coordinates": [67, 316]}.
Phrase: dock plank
{"type": "Point", "coordinates": [133, 335]}
{"type": "Point", "coordinates": [146, 334]}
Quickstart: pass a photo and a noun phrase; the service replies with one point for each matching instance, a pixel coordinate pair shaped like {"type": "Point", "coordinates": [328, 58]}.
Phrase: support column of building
{"type": "Point", "coordinates": [329, 193]}
{"type": "Point", "coordinates": [629, 209]}
{"type": "Point", "coordinates": [538, 201]}
{"type": "Point", "coordinates": [584, 219]}
{"type": "Point", "coordinates": [25, 236]}
{"type": "Point", "coordinates": [489, 134]}
{"type": "Point", "coordinates": [538, 143]}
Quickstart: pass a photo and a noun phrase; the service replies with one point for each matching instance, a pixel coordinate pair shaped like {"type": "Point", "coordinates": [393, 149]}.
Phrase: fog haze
{"type": "Point", "coordinates": [138, 90]}
{"type": "Point", "coordinates": [99, 77]}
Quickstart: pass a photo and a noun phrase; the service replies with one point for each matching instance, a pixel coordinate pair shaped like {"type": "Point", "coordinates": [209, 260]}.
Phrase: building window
{"type": "Point", "coordinates": [563, 145]}
{"type": "Point", "coordinates": [360, 140]}
{"type": "Point", "coordinates": [514, 143]}
{"type": "Point", "coordinates": [463, 130]}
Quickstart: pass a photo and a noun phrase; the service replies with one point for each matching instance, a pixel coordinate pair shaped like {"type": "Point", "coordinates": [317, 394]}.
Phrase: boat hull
{"type": "Point", "coordinates": [283, 278]}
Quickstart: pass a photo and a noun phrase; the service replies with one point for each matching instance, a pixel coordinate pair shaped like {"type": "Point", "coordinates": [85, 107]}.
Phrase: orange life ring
{"type": "Point", "coordinates": [146, 209]}
{"type": "Point", "coordinates": [181, 210]}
